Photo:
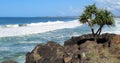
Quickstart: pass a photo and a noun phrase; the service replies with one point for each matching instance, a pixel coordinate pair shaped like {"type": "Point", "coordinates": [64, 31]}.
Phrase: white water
{"type": "Point", "coordinates": [15, 30]}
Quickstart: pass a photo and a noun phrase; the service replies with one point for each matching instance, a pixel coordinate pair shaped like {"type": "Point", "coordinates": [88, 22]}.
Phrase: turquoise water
{"type": "Point", "coordinates": [16, 47]}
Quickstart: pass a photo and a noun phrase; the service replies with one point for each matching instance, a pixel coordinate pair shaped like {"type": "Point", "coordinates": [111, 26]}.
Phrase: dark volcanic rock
{"type": "Point", "coordinates": [78, 40]}
{"type": "Point", "coordinates": [80, 49]}
{"type": "Point", "coordinates": [71, 54]}
{"type": "Point", "coordinates": [48, 53]}
{"type": "Point", "coordinates": [10, 61]}
{"type": "Point", "coordinates": [105, 39]}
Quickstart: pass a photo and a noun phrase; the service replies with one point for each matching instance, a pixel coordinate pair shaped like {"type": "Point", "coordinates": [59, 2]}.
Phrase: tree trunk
{"type": "Point", "coordinates": [100, 31]}
{"type": "Point", "coordinates": [97, 34]}
{"type": "Point", "coordinates": [92, 29]}
{"type": "Point", "coordinates": [97, 31]}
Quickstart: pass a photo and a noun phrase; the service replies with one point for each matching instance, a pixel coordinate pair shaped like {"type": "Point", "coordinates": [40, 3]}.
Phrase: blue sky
{"type": "Point", "coordinates": [37, 8]}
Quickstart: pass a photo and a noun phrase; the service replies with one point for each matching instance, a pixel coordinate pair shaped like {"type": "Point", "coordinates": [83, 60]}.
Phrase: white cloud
{"type": "Point", "coordinates": [109, 4]}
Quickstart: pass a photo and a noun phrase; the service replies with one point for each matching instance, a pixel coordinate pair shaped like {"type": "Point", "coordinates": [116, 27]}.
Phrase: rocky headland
{"type": "Point", "coordinates": [81, 49]}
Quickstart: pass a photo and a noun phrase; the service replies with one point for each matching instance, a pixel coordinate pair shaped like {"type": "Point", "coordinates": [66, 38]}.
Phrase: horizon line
{"type": "Point", "coordinates": [40, 16]}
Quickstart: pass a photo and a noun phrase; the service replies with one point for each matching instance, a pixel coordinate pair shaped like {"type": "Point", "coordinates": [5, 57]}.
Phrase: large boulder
{"type": "Point", "coordinates": [48, 53]}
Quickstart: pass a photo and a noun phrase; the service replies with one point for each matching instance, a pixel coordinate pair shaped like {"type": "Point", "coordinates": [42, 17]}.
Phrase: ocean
{"type": "Point", "coordinates": [19, 35]}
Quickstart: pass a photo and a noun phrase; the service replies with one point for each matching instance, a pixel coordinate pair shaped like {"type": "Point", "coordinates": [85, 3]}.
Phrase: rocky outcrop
{"type": "Point", "coordinates": [80, 49]}
{"type": "Point", "coordinates": [48, 53]}
{"type": "Point", "coordinates": [10, 61]}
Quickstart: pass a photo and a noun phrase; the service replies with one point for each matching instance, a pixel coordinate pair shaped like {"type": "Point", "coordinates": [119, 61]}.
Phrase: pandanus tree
{"type": "Point", "coordinates": [94, 16]}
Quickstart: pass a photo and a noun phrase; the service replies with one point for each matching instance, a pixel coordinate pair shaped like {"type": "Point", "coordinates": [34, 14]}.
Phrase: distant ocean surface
{"type": "Point", "coordinates": [19, 35]}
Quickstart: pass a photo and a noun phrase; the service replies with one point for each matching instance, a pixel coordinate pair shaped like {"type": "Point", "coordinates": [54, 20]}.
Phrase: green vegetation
{"type": "Point", "coordinates": [94, 16]}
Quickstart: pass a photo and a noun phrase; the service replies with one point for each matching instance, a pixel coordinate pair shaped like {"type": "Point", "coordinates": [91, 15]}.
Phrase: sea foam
{"type": "Point", "coordinates": [33, 28]}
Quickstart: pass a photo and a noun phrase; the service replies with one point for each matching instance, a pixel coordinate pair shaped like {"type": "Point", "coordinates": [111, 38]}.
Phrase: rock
{"type": "Point", "coordinates": [81, 49]}
{"type": "Point", "coordinates": [48, 53]}
{"type": "Point", "coordinates": [105, 39]}
{"type": "Point", "coordinates": [10, 61]}
{"type": "Point", "coordinates": [115, 46]}
{"type": "Point", "coordinates": [75, 40]}
{"type": "Point", "coordinates": [67, 59]}
{"type": "Point", "coordinates": [116, 39]}
{"type": "Point", "coordinates": [70, 54]}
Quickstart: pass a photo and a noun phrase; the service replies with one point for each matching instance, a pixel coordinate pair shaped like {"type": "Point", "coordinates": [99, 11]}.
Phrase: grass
{"type": "Point", "coordinates": [96, 55]}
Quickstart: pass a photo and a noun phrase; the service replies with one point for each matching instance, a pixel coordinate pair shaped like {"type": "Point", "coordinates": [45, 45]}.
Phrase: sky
{"type": "Point", "coordinates": [39, 8]}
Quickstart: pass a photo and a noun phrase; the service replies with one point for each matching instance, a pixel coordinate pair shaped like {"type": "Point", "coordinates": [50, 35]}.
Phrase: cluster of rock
{"type": "Point", "coordinates": [80, 49]}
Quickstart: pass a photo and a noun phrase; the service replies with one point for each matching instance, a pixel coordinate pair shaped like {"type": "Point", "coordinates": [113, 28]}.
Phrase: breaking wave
{"type": "Point", "coordinates": [23, 29]}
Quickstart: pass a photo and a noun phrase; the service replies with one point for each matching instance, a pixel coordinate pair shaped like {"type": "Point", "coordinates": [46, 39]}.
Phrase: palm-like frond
{"type": "Point", "coordinates": [104, 17]}
{"type": "Point", "coordinates": [109, 18]}
{"type": "Point", "coordinates": [87, 14]}
{"type": "Point", "coordinates": [83, 18]}
{"type": "Point", "coordinates": [91, 9]}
